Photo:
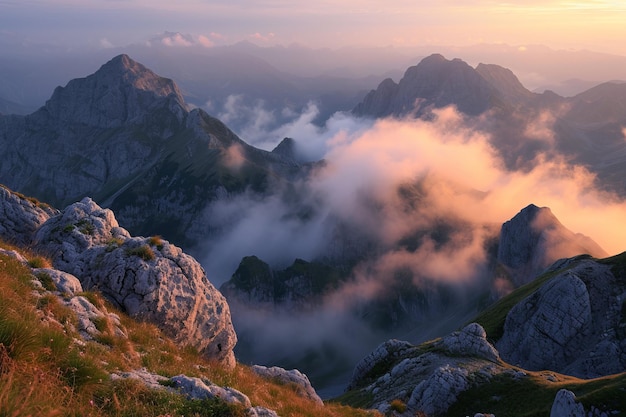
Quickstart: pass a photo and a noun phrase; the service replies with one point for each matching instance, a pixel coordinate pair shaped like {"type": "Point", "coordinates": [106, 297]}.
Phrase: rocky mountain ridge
{"type": "Point", "coordinates": [567, 322]}
{"type": "Point", "coordinates": [119, 136]}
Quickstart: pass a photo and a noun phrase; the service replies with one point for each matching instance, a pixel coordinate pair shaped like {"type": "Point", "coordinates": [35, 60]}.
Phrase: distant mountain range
{"type": "Point", "coordinates": [587, 128]}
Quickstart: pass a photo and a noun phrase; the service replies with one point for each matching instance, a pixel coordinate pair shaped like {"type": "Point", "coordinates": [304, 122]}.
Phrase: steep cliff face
{"type": "Point", "coordinates": [574, 323]}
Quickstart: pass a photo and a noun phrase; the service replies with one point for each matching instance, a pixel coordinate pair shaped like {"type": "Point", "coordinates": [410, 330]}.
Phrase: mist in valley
{"type": "Point", "coordinates": [413, 208]}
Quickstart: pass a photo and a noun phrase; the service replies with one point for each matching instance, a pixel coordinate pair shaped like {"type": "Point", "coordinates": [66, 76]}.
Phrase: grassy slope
{"type": "Point", "coordinates": [44, 371]}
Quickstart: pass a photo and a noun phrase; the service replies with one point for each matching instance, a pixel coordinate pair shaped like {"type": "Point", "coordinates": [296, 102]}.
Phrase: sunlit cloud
{"type": "Point", "coordinates": [264, 38]}
{"type": "Point", "coordinates": [176, 39]}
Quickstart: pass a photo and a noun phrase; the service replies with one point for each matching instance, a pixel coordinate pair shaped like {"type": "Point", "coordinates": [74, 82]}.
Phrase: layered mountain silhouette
{"type": "Point", "coordinates": [588, 127]}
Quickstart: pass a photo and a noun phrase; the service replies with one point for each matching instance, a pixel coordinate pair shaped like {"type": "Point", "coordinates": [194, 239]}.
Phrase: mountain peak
{"type": "Point", "coordinates": [534, 238]}
{"type": "Point", "coordinates": [433, 83]}
{"type": "Point", "coordinates": [121, 92]}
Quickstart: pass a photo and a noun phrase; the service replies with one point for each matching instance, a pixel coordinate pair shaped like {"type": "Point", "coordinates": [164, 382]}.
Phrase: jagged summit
{"type": "Point", "coordinates": [124, 137]}
{"type": "Point", "coordinates": [122, 91]}
{"type": "Point", "coordinates": [534, 238]}
{"type": "Point", "coordinates": [285, 148]}
{"type": "Point", "coordinates": [434, 82]}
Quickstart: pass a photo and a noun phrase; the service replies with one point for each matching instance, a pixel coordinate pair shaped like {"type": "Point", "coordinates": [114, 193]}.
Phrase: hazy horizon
{"type": "Point", "coordinates": [596, 25]}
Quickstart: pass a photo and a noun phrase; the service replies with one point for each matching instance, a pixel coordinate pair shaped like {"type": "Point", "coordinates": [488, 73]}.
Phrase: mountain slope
{"type": "Point", "coordinates": [67, 351]}
{"type": "Point", "coordinates": [125, 137]}
{"type": "Point", "coordinates": [569, 321]}
{"type": "Point", "coordinates": [434, 83]}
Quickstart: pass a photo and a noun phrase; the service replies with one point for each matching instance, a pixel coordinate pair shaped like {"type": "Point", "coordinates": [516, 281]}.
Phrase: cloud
{"type": "Point", "coordinates": [105, 43]}
{"type": "Point", "coordinates": [264, 38]}
{"type": "Point", "coordinates": [206, 42]}
{"type": "Point", "coordinates": [406, 201]}
{"type": "Point", "coordinates": [176, 39]}
{"type": "Point", "coordinates": [397, 180]}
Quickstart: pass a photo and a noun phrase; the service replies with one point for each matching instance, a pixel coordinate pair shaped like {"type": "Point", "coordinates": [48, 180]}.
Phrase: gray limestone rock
{"type": "Point", "coordinates": [384, 352]}
{"type": "Point", "coordinates": [470, 341]}
{"type": "Point", "coordinates": [89, 316]}
{"type": "Point", "coordinates": [196, 388]}
{"type": "Point", "coordinates": [436, 394]}
{"type": "Point", "coordinates": [293, 376]}
{"type": "Point", "coordinates": [14, 254]}
{"type": "Point", "coordinates": [20, 217]}
{"type": "Point", "coordinates": [148, 278]}
{"type": "Point", "coordinates": [149, 379]}
{"type": "Point", "coordinates": [565, 405]}
{"type": "Point", "coordinates": [573, 324]}
{"type": "Point", "coordinates": [540, 331]}
{"type": "Point", "coordinates": [65, 283]}
{"type": "Point", "coordinates": [261, 412]}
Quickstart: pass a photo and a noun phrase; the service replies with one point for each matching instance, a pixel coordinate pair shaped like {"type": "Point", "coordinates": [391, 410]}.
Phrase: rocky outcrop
{"type": "Point", "coordinates": [534, 238]}
{"type": "Point", "coordinates": [196, 388]}
{"type": "Point", "coordinates": [150, 279]}
{"type": "Point", "coordinates": [293, 376]}
{"type": "Point", "coordinates": [427, 378]}
{"type": "Point", "coordinates": [297, 287]}
{"type": "Point", "coordinates": [565, 405]}
{"type": "Point", "coordinates": [388, 351]}
{"type": "Point", "coordinates": [573, 324]}
{"type": "Point", "coordinates": [21, 217]}
{"type": "Point", "coordinates": [439, 391]}
{"type": "Point", "coordinates": [470, 341]}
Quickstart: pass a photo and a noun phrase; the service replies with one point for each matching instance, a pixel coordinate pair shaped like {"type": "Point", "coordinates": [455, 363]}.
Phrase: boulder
{"type": "Point", "coordinates": [573, 324]}
{"type": "Point", "coordinates": [89, 316]}
{"type": "Point", "coordinates": [565, 405]}
{"type": "Point", "coordinates": [149, 278]}
{"type": "Point", "coordinates": [470, 341]}
{"type": "Point", "coordinates": [149, 379]}
{"type": "Point", "coordinates": [196, 388]}
{"type": "Point", "coordinates": [261, 412]}
{"type": "Point", "coordinates": [20, 217]}
{"type": "Point", "coordinates": [65, 283]}
{"type": "Point", "coordinates": [436, 394]}
{"type": "Point", "coordinates": [293, 376]}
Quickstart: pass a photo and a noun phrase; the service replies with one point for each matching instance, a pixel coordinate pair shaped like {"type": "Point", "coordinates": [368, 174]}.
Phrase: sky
{"type": "Point", "coordinates": [595, 24]}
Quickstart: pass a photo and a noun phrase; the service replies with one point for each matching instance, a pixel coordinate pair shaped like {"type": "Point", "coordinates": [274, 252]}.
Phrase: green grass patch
{"type": "Point", "coordinates": [358, 398]}
{"type": "Point", "coordinates": [143, 251]}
